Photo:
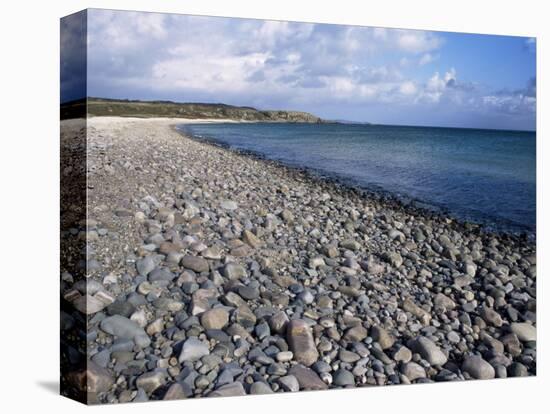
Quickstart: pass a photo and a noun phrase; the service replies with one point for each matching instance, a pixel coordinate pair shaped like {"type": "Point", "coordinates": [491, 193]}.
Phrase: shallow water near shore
{"type": "Point", "coordinates": [482, 176]}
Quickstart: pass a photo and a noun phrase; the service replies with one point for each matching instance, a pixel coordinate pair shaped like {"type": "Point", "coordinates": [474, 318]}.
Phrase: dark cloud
{"type": "Point", "coordinates": [73, 62]}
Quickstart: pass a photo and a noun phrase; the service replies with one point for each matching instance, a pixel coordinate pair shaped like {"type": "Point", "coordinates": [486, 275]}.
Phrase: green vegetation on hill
{"type": "Point", "coordinates": [150, 109]}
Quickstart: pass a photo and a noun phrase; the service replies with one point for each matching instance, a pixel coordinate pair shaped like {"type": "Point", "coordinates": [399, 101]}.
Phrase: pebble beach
{"type": "Point", "coordinates": [214, 273]}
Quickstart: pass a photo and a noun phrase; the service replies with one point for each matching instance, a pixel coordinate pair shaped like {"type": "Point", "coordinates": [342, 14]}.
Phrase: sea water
{"type": "Point", "coordinates": [482, 176]}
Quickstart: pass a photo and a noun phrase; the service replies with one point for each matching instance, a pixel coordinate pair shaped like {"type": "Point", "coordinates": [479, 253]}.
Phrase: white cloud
{"type": "Point", "coordinates": [271, 32]}
{"type": "Point", "coordinates": [124, 30]}
{"type": "Point", "coordinates": [408, 88]}
{"type": "Point", "coordinates": [417, 41]}
{"type": "Point", "coordinates": [426, 58]}
{"type": "Point", "coordinates": [436, 86]}
{"type": "Point", "coordinates": [511, 104]}
{"type": "Point", "coordinates": [150, 24]}
{"type": "Point", "coordinates": [215, 73]}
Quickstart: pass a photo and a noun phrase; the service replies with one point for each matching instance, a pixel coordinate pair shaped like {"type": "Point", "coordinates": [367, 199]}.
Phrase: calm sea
{"type": "Point", "coordinates": [485, 176]}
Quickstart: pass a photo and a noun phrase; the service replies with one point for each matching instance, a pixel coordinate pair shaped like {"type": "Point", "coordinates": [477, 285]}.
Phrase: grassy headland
{"type": "Point", "coordinates": [168, 109]}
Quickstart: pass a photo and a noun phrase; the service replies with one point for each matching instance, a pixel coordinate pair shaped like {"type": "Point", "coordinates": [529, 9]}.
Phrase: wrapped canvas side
{"type": "Point", "coordinates": [74, 382]}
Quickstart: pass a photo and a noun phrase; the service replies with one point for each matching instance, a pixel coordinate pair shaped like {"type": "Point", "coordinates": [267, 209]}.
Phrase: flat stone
{"type": "Point", "coordinates": [175, 392]}
{"type": "Point", "coordinates": [88, 304]}
{"type": "Point", "coordinates": [442, 301]}
{"type": "Point", "coordinates": [356, 334]}
{"type": "Point", "coordinates": [155, 327]}
{"type": "Point", "coordinates": [123, 327]}
{"type": "Point", "coordinates": [198, 306]}
{"type": "Point", "coordinates": [307, 378]}
{"type": "Point", "coordinates": [374, 268]}
{"type": "Point", "coordinates": [139, 317]}
{"type": "Point", "coordinates": [142, 341]}
{"type": "Point", "coordinates": [512, 344]}
{"type": "Point", "coordinates": [168, 304]}
{"type": "Point", "coordinates": [215, 318]}
{"type": "Point", "coordinates": [273, 369]}
{"type": "Point", "coordinates": [278, 322]}
{"type": "Point", "coordinates": [348, 356]}
{"type": "Point", "coordinates": [121, 307]}
{"type": "Point", "coordinates": [524, 331]}
{"type": "Point", "coordinates": [229, 205]}
{"type": "Point", "coordinates": [245, 317]}
{"type": "Point", "coordinates": [196, 263]}
{"type": "Point", "coordinates": [259, 387]}
{"type": "Point", "coordinates": [174, 258]}
{"type": "Point", "coordinates": [470, 268]}
{"type": "Point", "coordinates": [141, 396]}
{"type": "Point", "coordinates": [193, 349]}
{"type": "Point", "coordinates": [290, 383]}
{"type": "Point", "coordinates": [160, 274]}
{"type": "Point", "coordinates": [350, 245]}
{"type": "Point", "coordinates": [413, 371]}
{"type": "Point", "coordinates": [284, 281]}
{"type": "Point", "coordinates": [145, 266]}
{"type": "Point", "coordinates": [350, 291]}
{"type": "Point", "coordinates": [383, 337]}
{"type": "Point", "coordinates": [102, 358]}
{"type": "Point", "coordinates": [234, 271]}
{"type": "Point", "coordinates": [395, 234]}
{"type": "Point", "coordinates": [240, 251]}
{"type": "Point", "coordinates": [300, 338]}
{"type": "Point", "coordinates": [429, 351]}
{"type": "Point", "coordinates": [393, 258]}
{"type": "Point", "coordinates": [478, 368]}
{"type": "Point", "coordinates": [316, 262]}
{"type": "Point", "coordinates": [248, 293]}
{"type": "Point", "coordinates": [343, 378]}
{"type": "Point", "coordinates": [422, 315]}
{"type": "Point", "coordinates": [331, 251]}
{"type": "Point", "coordinates": [403, 354]}
{"type": "Point", "coordinates": [251, 239]}
{"type": "Point", "coordinates": [202, 382]}
{"type": "Point", "coordinates": [463, 281]}
{"type": "Point", "coordinates": [517, 369]}
{"type": "Point", "coordinates": [122, 212]}
{"type": "Point", "coordinates": [213, 253]}
{"type": "Point", "coordinates": [98, 379]}
{"type": "Point", "coordinates": [491, 316]}
{"type": "Point", "coordinates": [262, 330]}
{"type": "Point", "coordinates": [233, 300]}
{"type": "Point", "coordinates": [150, 381]}
{"type": "Point", "coordinates": [491, 342]}
{"type": "Point", "coordinates": [284, 356]}
{"type": "Point", "coordinates": [233, 389]}
{"type": "Point", "coordinates": [167, 248]}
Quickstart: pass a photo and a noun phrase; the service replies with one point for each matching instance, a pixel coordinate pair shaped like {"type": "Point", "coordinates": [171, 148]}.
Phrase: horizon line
{"type": "Point", "coordinates": [341, 121]}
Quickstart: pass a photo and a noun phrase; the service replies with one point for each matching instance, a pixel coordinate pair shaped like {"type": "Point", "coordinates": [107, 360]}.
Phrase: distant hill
{"type": "Point", "coordinates": [150, 109]}
{"type": "Point", "coordinates": [345, 121]}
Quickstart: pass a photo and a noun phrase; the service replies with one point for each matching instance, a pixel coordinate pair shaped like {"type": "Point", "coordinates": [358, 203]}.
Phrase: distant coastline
{"type": "Point", "coordinates": [95, 106]}
{"type": "Point", "coordinates": [188, 110]}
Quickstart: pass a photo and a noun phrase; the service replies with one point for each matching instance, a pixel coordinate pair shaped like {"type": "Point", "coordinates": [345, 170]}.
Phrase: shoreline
{"type": "Point", "coordinates": [410, 204]}
{"type": "Point", "coordinates": [215, 273]}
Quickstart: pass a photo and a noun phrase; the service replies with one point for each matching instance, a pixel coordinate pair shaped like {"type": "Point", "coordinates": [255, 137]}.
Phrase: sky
{"type": "Point", "coordinates": [367, 74]}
